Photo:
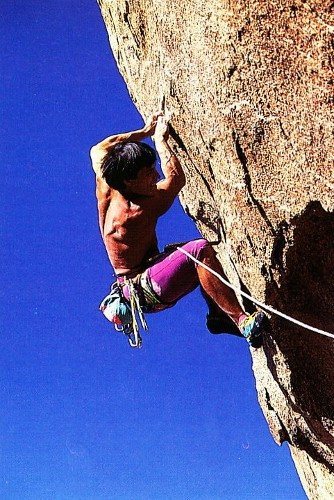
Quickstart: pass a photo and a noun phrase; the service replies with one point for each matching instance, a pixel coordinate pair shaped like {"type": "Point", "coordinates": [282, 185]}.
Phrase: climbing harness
{"type": "Point", "coordinates": [123, 313]}
{"type": "Point", "coordinates": [255, 301]}
{"type": "Point", "coordinates": [127, 313]}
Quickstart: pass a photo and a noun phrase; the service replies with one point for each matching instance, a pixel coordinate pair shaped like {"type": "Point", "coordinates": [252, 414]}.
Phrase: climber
{"type": "Point", "coordinates": [131, 198]}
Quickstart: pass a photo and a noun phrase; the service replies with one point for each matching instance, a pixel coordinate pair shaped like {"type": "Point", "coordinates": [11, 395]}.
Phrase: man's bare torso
{"type": "Point", "coordinates": [128, 221]}
{"type": "Point", "coordinates": [129, 232]}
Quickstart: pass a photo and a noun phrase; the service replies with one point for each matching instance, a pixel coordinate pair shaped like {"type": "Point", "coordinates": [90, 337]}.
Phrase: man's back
{"type": "Point", "coordinates": [129, 232]}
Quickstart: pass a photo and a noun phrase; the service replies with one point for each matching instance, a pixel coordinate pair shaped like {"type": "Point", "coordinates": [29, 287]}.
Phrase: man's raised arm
{"type": "Point", "coordinates": [98, 151]}
{"type": "Point", "coordinates": [174, 180]}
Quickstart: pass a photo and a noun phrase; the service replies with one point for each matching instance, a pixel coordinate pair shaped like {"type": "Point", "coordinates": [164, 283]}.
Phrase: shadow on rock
{"type": "Point", "coordinates": [306, 292]}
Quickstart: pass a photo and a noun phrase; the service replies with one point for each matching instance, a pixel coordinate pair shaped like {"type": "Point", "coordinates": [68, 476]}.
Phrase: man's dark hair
{"type": "Point", "coordinates": [123, 162]}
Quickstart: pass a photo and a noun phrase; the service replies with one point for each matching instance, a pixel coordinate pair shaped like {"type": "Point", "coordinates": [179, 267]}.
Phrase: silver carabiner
{"type": "Point", "coordinates": [137, 342]}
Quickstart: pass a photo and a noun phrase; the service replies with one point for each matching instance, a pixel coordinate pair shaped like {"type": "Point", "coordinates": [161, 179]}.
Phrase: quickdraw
{"type": "Point", "coordinates": [132, 333]}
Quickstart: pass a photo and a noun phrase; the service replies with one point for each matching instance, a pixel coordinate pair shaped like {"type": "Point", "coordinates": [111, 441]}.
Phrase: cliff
{"type": "Point", "coordinates": [250, 89]}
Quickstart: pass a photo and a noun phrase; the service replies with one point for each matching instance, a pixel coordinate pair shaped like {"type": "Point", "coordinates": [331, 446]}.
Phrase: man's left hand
{"type": "Point", "coordinates": [161, 129]}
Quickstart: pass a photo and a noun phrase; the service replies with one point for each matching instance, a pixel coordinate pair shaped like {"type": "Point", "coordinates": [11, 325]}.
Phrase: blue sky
{"type": "Point", "coordinates": [83, 416]}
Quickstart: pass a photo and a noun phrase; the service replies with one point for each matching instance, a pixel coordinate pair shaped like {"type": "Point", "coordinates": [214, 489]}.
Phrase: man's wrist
{"type": "Point", "coordinates": [160, 141]}
{"type": "Point", "coordinates": [147, 131]}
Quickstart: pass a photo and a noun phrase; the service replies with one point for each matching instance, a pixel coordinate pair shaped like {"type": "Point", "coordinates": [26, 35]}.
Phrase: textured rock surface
{"type": "Point", "coordinates": [250, 89]}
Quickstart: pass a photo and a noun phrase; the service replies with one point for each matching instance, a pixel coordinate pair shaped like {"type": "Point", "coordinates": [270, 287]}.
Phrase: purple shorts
{"type": "Point", "coordinates": [171, 276]}
{"type": "Point", "coordinates": [174, 274]}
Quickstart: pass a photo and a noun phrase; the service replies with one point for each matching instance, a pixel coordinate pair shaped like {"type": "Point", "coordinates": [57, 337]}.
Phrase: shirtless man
{"type": "Point", "coordinates": [131, 198]}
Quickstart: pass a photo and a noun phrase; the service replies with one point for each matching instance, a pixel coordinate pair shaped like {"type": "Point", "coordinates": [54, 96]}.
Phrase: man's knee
{"type": "Point", "coordinates": [199, 248]}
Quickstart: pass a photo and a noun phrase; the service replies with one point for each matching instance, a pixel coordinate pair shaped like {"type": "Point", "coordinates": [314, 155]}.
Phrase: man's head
{"type": "Point", "coordinates": [123, 162]}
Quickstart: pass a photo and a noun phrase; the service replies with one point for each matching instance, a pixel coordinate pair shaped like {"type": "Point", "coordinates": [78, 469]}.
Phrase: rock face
{"type": "Point", "coordinates": [250, 89]}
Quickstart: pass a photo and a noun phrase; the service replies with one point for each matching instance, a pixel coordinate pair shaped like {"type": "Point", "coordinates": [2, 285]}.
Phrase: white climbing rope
{"type": "Point", "coordinates": [255, 301]}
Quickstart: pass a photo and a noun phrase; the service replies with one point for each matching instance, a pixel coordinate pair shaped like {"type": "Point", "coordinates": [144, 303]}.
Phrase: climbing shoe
{"type": "Point", "coordinates": [251, 327]}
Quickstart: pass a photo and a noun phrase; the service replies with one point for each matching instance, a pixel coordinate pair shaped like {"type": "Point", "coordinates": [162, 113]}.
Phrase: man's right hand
{"type": "Point", "coordinates": [151, 123]}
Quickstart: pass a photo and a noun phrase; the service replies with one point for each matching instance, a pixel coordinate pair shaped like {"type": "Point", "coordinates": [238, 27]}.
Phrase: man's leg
{"type": "Point", "coordinates": [221, 294]}
{"type": "Point", "coordinates": [216, 320]}
{"type": "Point", "coordinates": [175, 275]}
{"type": "Point", "coordinates": [248, 325]}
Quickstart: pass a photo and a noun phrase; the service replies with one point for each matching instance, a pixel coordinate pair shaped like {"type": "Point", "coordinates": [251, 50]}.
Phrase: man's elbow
{"type": "Point", "coordinates": [182, 180]}
{"type": "Point", "coordinates": [96, 155]}
{"type": "Point", "coordinates": [95, 151]}
{"type": "Point", "coordinates": [178, 173]}
{"type": "Point", "coordinates": [179, 180]}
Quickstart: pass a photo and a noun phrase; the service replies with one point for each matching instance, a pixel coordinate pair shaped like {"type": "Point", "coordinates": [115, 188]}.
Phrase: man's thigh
{"type": "Point", "coordinates": [175, 274]}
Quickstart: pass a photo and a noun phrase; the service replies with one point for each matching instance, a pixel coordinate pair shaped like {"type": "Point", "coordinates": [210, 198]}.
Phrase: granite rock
{"type": "Point", "coordinates": [249, 86]}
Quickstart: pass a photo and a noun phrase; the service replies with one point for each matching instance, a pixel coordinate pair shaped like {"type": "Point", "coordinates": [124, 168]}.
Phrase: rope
{"type": "Point", "coordinates": [255, 301]}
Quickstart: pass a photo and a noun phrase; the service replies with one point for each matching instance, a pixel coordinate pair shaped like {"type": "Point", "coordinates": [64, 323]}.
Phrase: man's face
{"type": "Point", "coordinates": [145, 183]}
